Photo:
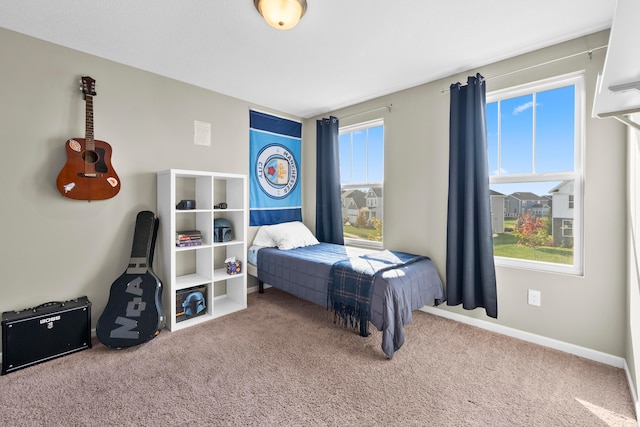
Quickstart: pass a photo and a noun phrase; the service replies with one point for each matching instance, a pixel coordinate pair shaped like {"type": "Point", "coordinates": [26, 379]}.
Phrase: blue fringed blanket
{"type": "Point", "coordinates": [351, 284]}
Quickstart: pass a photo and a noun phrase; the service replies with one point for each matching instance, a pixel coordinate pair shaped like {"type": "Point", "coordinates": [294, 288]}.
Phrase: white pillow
{"type": "Point", "coordinates": [288, 235]}
{"type": "Point", "coordinates": [263, 238]}
{"type": "Point", "coordinates": [291, 235]}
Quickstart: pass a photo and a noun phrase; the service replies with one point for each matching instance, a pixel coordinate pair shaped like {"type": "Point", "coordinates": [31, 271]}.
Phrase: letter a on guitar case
{"type": "Point", "coordinates": [134, 313]}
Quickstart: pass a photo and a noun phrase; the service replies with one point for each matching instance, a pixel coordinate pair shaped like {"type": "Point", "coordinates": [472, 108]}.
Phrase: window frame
{"type": "Point", "coordinates": [368, 185]}
{"type": "Point", "coordinates": [577, 79]}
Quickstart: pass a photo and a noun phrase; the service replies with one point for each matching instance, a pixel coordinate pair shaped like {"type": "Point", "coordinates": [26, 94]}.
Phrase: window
{"type": "Point", "coordinates": [535, 138]}
{"type": "Point", "coordinates": [361, 178]}
{"type": "Point", "coordinates": [567, 228]}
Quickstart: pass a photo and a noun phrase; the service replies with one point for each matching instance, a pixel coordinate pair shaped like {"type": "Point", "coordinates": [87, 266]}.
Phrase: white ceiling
{"type": "Point", "coordinates": [342, 51]}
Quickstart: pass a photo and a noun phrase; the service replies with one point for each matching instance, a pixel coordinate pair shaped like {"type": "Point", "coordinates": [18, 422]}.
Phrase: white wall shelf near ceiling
{"type": "Point", "coordinates": [618, 88]}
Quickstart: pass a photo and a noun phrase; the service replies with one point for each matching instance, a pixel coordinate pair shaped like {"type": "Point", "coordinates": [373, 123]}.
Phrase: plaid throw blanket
{"type": "Point", "coordinates": [351, 284]}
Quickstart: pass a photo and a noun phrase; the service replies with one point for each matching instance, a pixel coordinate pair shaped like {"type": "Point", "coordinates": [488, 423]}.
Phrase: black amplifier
{"type": "Point", "coordinates": [42, 333]}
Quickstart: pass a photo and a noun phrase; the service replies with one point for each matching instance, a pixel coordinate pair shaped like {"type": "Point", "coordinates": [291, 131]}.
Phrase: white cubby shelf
{"type": "Point", "coordinates": [201, 267]}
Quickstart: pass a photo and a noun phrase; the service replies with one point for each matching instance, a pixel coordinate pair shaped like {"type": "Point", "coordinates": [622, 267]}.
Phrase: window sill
{"type": "Point", "coordinates": [366, 244]}
{"type": "Point", "coordinates": [543, 267]}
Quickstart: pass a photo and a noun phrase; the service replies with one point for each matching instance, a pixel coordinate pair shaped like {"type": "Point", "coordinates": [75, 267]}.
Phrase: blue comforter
{"type": "Point", "coordinates": [305, 272]}
{"type": "Point", "coordinates": [351, 284]}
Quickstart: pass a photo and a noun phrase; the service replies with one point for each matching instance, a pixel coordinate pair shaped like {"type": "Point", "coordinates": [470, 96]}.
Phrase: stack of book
{"type": "Point", "coordinates": [188, 238]}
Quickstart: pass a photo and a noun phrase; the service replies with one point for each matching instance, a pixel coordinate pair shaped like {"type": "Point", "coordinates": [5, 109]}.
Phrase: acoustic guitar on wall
{"type": "Point", "coordinates": [88, 174]}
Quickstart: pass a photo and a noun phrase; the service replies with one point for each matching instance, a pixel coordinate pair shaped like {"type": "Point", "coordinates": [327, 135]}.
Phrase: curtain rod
{"type": "Point", "coordinates": [589, 52]}
{"type": "Point", "coordinates": [388, 107]}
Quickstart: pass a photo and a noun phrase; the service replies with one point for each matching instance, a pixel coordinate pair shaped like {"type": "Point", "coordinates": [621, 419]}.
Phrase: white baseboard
{"type": "Point", "coordinates": [634, 396]}
{"type": "Point", "coordinates": [577, 350]}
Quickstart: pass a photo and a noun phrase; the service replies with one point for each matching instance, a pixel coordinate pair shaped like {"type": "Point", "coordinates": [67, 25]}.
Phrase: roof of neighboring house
{"type": "Point", "coordinates": [376, 190]}
{"type": "Point", "coordinates": [559, 186]}
{"type": "Point", "coordinates": [348, 193]}
{"type": "Point", "coordinates": [525, 195]}
{"type": "Point", "coordinates": [357, 196]}
{"type": "Point", "coordinates": [495, 193]}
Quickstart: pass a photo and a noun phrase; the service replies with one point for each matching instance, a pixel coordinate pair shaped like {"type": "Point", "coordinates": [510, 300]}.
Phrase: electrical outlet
{"type": "Point", "coordinates": [534, 297]}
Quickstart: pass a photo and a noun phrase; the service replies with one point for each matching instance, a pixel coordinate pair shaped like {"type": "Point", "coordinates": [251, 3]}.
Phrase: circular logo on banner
{"type": "Point", "coordinates": [277, 171]}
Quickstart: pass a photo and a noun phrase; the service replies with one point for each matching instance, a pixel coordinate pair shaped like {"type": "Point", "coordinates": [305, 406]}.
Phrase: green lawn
{"type": "Point", "coordinates": [358, 233]}
{"type": "Point", "coordinates": [506, 245]}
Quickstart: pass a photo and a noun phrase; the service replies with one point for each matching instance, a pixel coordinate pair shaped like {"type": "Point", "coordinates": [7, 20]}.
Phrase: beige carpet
{"type": "Point", "coordinates": [283, 362]}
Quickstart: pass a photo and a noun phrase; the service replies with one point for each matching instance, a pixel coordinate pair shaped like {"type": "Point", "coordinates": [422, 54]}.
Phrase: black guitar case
{"type": "Point", "coordinates": [134, 312]}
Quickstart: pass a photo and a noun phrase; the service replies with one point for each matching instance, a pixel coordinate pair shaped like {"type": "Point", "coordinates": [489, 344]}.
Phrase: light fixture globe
{"type": "Point", "coordinates": [281, 14]}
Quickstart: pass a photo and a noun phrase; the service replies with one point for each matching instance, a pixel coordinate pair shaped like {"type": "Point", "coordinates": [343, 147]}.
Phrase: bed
{"type": "Point", "coordinates": [288, 257]}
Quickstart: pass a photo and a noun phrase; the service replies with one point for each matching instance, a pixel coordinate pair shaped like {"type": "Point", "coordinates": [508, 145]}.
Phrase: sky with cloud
{"type": "Point", "coordinates": [525, 140]}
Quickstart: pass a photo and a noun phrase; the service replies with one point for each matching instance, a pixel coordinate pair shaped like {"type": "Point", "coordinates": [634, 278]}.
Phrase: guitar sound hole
{"type": "Point", "coordinates": [90, 156]}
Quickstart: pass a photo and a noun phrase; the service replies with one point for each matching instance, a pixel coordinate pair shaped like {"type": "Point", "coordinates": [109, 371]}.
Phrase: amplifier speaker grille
{"type": "Point", "coordinates": [44, 333]}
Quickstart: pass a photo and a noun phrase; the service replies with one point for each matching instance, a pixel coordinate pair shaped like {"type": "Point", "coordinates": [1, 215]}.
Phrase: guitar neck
{"type": "Point", "coordinates": [88, 131]}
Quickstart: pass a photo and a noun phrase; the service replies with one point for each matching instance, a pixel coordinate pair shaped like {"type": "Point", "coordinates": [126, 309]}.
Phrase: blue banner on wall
{"type": "Point", "coordinates": [275, 190]}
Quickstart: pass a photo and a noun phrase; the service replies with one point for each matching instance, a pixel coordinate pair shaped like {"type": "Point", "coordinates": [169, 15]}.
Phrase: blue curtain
{"type": "Point", "coordinates": [328, 200]}
{"type": "Point", "coordinates": [471, 277]}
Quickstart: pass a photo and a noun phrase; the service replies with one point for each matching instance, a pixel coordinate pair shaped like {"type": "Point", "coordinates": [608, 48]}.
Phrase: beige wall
{"type": "Point", "coordinates": [587, 311]}
{"type": "Point", "coordinates": [57, 249]}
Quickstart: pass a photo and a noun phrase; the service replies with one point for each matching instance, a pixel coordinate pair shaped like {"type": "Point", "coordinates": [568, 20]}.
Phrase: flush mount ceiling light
{"type": "Point", "coordinates": [281, 14]}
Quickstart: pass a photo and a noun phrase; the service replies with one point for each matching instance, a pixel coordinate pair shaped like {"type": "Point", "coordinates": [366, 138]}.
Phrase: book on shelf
{"type": "Point", "coordinates": [188, 238]}
{"type": "Point", "coordinates": [189, 233]}
{"type": "Point", "coordinates": [187, 244]}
